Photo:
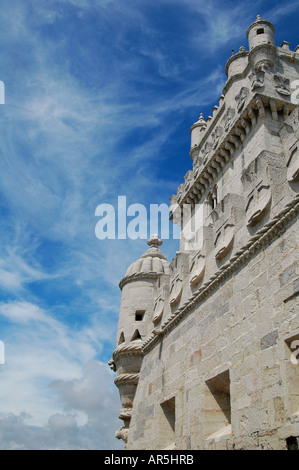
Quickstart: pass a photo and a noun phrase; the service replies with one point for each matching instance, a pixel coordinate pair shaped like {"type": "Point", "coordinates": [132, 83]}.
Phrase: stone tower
{"type": "Point", "coordinates": [135, 323]}
{"type": "Point", "coordinates": [208, 345]}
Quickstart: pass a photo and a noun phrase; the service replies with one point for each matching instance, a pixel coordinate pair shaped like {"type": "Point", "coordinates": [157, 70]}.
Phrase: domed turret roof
{"type": "Point", "coordinates": [152, 260]}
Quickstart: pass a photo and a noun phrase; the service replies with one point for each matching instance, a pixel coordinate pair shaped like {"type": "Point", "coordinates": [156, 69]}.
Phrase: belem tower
{"type": "Point", "coordinates": [207, 347]}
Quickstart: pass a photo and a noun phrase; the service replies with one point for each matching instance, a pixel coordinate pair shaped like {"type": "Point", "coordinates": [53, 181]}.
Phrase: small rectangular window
{"type": "Point", "coordinates": [260, 31]}
{"type": "Point", "coordinates": [292, 443]}
{"type": "Point", "coordinates": [167, 424]}
{"type": "Point", "coordinates": [139, 314]}
{"type": "Point", "coordinates": [217, 410]}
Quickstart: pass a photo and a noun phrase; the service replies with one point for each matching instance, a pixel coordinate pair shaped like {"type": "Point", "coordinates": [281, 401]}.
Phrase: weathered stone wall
{"type": "Point", "coordinates": [243, 328]}
{"type": "Point", "coordinates": [221, 320]}
{"type": "Point", "coordinates": [222, 358]}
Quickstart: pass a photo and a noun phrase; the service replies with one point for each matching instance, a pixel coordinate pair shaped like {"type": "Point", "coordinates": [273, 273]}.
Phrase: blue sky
{"type": "Point", "coordinates": [100, 97]}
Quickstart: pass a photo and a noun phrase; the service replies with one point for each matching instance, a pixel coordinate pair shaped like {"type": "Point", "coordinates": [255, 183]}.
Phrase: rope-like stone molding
{"type": "Point", "coordinates": [266, 233]}
{"type": "Point", "coordinates": [125, 413]}
{"type": "Point", "coordinates": [126, 379]}
{"type": "Point", "coordinates": [137, 277]}
{"type": "Point", "coordinates": [128, 350]}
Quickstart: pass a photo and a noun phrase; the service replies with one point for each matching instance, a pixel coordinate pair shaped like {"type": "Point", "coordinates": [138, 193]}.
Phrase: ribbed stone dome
{"type": "Point", "coordinates": [152, 260]}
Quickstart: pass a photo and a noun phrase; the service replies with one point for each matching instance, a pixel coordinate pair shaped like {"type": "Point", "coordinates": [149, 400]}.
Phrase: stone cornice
{"type": "Point", "coordinates": [211, 125]}
{"type": "Point", "coordinates": [213, 122]}
{"type": "Point", "coordinates": [266, 234]}
{"type": "Point", "coordinates": [205, 176]}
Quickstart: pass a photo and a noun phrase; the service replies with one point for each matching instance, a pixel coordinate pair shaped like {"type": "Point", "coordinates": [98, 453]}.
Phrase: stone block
{"type": "Point", "coordinates": [269, 340]}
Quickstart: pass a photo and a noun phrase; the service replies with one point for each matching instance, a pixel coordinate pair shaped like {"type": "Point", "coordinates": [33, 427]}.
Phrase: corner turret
{"type": "Point", "coordinates": [135, 323]}
{"type": "Point", "coordinates": [260, 35]}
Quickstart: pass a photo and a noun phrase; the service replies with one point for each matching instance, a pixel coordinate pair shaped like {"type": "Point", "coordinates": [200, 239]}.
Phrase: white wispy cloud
{"type": "Point", "coordinates": [88, 418]}
{"type": "Point", "coordinates": [22, 312]}
{"type": "Point", "coordinates": [91, 110]}
{"type": "Point", "coordinates": [59, 146]}
{"type": "Point", "coordinates": [44, 363]}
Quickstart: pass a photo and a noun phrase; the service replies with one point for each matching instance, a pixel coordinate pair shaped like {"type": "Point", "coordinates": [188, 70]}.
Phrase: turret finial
{"type": "Point", "coordinates": [154, 240]}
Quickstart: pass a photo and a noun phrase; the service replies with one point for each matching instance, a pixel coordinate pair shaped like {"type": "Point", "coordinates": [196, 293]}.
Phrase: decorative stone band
{"type": "Point", "coordinates": [137, 277]}
{"type": "Point", "coordinates": [125, 413]}
{"type": "Point", "coordinates": [127, 350]}
{"type": "Point", "coordinates": [265, 235]}
{"type": "Point", "coordinates": [126, 379]}
{"type": "Point", "coordinates": [203, 177]}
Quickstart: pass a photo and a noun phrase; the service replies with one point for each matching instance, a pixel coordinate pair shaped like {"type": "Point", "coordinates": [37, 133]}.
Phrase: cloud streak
{"type": "Point", "coordinates": [100, 97]}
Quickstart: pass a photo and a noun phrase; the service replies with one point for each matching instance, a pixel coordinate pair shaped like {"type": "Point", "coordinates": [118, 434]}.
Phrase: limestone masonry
{"type": "Point", "coordinates": [207, 346]}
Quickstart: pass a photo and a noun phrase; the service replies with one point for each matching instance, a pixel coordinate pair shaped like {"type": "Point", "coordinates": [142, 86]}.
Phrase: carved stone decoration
{"type": "Point", "coordinates": [256, 185]}
{"type": "Point", "coordinates": [282, 85]}
{"type": "Point", "coordinates": [257, 79]}
{"type": "Point", "coordinates": [258, 203]}
{"type": "Point", "coordinates": [122, 433]}
{"type": "Point", "coordinates": [295, 90]}
{"type": "Point", "coordinates": [125, 414]}
{"type": "Point", "coordinates": [225, 216]}
{"type": "Point", "coordinates": [197, 269]}
{"type": "Point", "coordinates": [175, 211]}
{"type": "Point", "coordinates": [197, 162]}
{"type": "Point", "coordinates": [228, 117]}
{"type": "Point", "coordinates": [112, 365]}
{"type": "Point", "coordinates": [293, 165]}
{"type": "Point", "coordinates": [188, 179]}
{"type": "Point", "coordinates": [158, 310]}
{"type": "Point", "coordinates": [180, 192]}
{"type": "Point", "coordinates": [224, 238]}
{"type": "Point", "coordinates": [241, 97]}
{"type": "Point", "coordinates": [207, 148]}
{"type": "Point", "coordinates": [216, 134]}
{"type": "Point", "coordinates": [176, 289]}
{"type": "Point", "coordinates": [173, 199]}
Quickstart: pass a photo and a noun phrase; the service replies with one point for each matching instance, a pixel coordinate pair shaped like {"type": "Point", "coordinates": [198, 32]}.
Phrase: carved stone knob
{"type": "Point", "coordinates": [154, 240]}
